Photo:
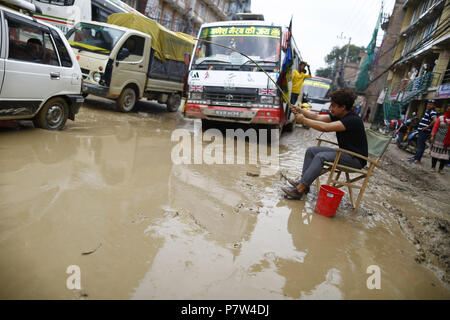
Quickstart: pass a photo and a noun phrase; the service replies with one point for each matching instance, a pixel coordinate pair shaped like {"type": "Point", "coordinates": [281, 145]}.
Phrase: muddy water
{"type": "Point", "coordinates": [106, 186]}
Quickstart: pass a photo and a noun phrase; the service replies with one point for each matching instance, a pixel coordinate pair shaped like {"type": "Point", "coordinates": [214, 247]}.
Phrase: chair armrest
{"type": "Point", "coordinates": [327, 141]}
{"type": "Point", "coordinates": [375, 162]}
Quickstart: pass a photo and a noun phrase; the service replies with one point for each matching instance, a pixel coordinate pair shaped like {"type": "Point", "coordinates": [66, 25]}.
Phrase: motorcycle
{"type": "Point", "coordinates": [390, 127]}
{"type": "Point", "coordinates": [406, 135]}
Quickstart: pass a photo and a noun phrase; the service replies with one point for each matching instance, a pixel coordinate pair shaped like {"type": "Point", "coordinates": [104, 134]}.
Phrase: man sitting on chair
{"type": "Point", "coordinates": [350, 135]}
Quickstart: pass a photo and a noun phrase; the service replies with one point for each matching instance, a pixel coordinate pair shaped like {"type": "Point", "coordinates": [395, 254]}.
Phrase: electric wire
{"type": "Point", "coordinates": [422, 44]}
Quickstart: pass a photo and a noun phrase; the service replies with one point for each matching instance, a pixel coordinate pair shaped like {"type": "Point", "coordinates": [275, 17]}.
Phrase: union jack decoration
{"type": "Point", "coordinates": [196, 88]}
{"type": "Point", "coordinates": [267, 92]}
{"type": "Point", "coordinates": [285, 38]}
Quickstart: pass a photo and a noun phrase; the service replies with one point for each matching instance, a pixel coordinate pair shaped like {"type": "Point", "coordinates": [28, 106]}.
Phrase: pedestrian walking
{"type": "Point", "coordinates": [358, 109]}
{"type": "Point", "coordinates": [298, 77]}
{"type": "Point", "coordinates": [425, 125]}
{"type": "Point", "coordinates": [440, 140]}
{"type": "Point", "coordinates": [350, 135]}
{"type": "Point", "coordinates": [366, 117]}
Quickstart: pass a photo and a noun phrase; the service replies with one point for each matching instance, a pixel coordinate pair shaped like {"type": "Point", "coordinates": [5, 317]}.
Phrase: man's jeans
{"type": "Point", "coordinates": [316, 156]}
{"type": "Point", "coordinates": [421, 139]}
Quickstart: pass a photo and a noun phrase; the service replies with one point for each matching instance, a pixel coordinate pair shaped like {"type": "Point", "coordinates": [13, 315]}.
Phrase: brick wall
{"type": "Point", "coordinates": [387, 50]}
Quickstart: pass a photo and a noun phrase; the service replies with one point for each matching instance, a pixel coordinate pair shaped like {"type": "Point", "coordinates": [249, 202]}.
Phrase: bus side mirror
{"type": "Point", "coordinates": [187, 59]}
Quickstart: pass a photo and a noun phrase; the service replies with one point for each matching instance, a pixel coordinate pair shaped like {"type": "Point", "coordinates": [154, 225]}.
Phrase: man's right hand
{"type": "Point", "coordinates": [295, 109]}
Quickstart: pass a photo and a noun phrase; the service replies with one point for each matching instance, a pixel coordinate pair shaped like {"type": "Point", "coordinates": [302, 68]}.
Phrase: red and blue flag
{"type": "Point", "coordinates": [287, 64]}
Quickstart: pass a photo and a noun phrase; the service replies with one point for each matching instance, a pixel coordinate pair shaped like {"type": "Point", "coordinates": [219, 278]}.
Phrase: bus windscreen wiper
{"type": "Point", "coordinates": [257, 61]}
{"type": "Point", "coordinates": [212, 61]}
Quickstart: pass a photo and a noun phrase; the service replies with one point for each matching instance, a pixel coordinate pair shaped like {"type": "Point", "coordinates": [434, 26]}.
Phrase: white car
{"type": "Point", "coordinates": [40, 78]}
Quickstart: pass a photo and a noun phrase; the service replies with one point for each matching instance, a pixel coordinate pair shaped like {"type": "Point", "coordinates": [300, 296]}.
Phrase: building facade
{"type": "Point", "coordinates": [188, 15]}
{"type": "Point", "coordinates": [420, 65]}
{"type": "Point", "coordinates": [391, 26]}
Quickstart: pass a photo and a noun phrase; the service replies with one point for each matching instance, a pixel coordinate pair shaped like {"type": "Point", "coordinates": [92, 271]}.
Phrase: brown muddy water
{"type": "Point", "coordinates": [107, 186]}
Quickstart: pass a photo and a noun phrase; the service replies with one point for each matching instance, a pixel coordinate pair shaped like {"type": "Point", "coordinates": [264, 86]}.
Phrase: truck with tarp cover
{"type": "Point", "coordinates": [131, 57]}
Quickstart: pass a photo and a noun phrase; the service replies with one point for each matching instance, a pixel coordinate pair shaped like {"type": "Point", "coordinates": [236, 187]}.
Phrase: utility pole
{"type": "Point", "coordinates": [341, 69]}
{"type": "Point", "coordinates": [345, 61]}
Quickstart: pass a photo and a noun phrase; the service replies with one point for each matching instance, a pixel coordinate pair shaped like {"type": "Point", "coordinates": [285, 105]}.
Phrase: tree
{"type": "Point", "coordinates": [335, 60]}
{"type": "Point", "coordinates": [326, 72]}
{"type": "Point", "coordinates": [338, 54]}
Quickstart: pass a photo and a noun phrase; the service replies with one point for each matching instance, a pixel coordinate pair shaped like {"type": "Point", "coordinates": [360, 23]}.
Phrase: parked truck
{"type": "Point", "coordinates": [131, 57]}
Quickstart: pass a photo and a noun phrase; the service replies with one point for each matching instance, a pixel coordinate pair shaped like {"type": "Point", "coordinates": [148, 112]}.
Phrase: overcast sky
{"type": "Point", "coordinates": [317, 24]}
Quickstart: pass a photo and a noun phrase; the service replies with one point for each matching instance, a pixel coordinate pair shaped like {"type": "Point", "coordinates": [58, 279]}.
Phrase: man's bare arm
{"type": "Point", "coordinates": [335, 126]}
{"type": "Point", "coordinates": [311, 115]}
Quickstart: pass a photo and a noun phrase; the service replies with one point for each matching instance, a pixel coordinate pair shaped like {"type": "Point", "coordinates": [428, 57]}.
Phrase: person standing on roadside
{"type": "Point", "coordinates": [440, 140]}
{"type": "Point", "coordinates": [350, 134]}
{"type": "Point", "coordinates": [366, 117]}
{"type": "Point", "coordinates": [298, 76]}
{"type": "Point", "coordinates": [425, 125]}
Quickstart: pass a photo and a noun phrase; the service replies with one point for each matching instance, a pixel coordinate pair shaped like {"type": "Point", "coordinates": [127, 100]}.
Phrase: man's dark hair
{"type": "Point", "coordinates": [343, 97]}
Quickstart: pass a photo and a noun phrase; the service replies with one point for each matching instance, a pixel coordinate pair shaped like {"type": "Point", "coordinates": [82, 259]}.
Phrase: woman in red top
{"type": "Point", "coordinates": [440, 139]}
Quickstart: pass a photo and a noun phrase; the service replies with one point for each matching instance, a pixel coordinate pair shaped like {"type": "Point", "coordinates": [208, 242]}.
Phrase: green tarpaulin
{"type": "Point", "coordinates": [363, 80]}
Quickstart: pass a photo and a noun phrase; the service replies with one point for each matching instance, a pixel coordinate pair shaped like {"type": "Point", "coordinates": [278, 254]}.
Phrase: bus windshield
{"type": "Point", "coordinates": [317, 89]}
{"type": "Point", "coordinates": [94, 38]}
{"type": "Point", "coordinates": [261, 44]}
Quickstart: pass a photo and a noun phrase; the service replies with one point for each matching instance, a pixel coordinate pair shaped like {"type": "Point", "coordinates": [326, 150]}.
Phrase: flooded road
{"type": "Point", "coordinates": [105, 195]}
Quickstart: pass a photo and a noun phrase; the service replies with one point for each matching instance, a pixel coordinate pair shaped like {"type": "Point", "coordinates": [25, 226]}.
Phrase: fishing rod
{"type": "Point", "coordinates": [257, 65]}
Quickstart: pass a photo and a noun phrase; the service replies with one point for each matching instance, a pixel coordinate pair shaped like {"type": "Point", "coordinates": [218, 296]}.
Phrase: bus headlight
{"type": "Point", "coordinates": [266, 100]}
{"type": "Point", "coordinates": [97, 76]}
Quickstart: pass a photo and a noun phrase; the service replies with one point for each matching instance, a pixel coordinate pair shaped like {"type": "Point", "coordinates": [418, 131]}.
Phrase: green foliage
{"type": "Point", "coordinates": [339, 54]}
{"type": "Point", "coordinates": [326, 72]}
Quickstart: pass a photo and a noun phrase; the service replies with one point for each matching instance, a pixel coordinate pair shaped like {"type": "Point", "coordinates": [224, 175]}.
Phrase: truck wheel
{"type": "Point", "coordinates": [207, 124]}
{"type": "Point", "coordinates": [127, 100]}
{"type": "Point", "coordinates": [290, 126]}
{"type": "Point", "coordinates": [173, 103]}
{"type": "Point", "coordinates": [53, 115]}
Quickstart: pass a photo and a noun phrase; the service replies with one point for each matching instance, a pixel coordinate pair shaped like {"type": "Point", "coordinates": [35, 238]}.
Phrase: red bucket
{"type": "Point", "coordinates": [328, 200]}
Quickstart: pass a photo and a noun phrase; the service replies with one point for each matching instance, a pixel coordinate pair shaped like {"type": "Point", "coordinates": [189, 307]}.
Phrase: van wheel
{"type": "Point", "coordinates": [127, 100]}
{"type": "Point", "coordinates": [53, 115]}
{"type": "Point", "coordinates": [173, 103]}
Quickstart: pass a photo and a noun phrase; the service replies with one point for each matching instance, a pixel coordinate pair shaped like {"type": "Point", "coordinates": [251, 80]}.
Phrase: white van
{"type": "Point", "coordinates": [39, 76]}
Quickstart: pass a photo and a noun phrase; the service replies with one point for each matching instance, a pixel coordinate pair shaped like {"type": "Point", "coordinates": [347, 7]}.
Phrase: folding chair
{"type": "Point", "coordinates": [377, 145]}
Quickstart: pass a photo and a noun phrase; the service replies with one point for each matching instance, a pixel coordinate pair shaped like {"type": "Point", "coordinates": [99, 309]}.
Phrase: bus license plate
{"type": "Point", "coordinates": [228, 113]}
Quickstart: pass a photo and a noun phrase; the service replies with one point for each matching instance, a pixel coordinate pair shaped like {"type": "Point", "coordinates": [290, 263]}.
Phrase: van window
{"type": "Point", "coordinates": [135, 46]}
{"type": "Point", "coordinates": [30, 43]}
{"type": "Point", "coordinates": [64, 55]}
{"type": "Point", "coordinates": [50, 53]}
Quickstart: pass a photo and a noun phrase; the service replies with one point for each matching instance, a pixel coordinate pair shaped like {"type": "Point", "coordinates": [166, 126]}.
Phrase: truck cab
{"type": "Point", "coordinates": [315, 92]}
{"type": "Point", "coordinates": [40, 79]}
{"type": "Point", "coordinates": [113, 61]}
{"type": "Point", "coordinates": [226, 86]}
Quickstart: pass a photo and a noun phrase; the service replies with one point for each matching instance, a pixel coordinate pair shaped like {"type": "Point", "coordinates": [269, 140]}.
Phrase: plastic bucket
{"type": "Point", "coordinates": [328, 200]}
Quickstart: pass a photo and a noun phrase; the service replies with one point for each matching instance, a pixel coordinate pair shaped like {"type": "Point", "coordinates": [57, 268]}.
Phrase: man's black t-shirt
{"type": "Point", "coordinates": [354, 137]}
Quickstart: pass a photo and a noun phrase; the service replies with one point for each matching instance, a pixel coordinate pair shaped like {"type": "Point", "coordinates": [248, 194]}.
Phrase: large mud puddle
{"type": "Point", "coordinates": [105, 195]}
